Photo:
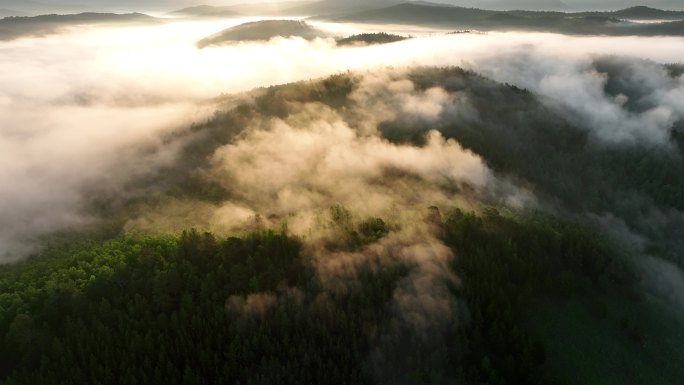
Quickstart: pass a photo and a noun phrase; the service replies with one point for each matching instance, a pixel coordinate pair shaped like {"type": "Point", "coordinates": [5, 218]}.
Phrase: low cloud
{"type": "Point", "coordinates": [577, 89]}
{"type": "Point", "coordinates": [96, 109]}
{"type": "Point", "coordinates": [82, 109]}
{"type": "Point", "coordinates": [292, 170]}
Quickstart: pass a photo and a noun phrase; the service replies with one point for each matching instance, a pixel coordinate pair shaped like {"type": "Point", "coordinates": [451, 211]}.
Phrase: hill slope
{"type": "Point", "coordinates": [370, 39]}
{"type": "Point", "coordinates": [262, 30]}
{"type": "Point", "coordinates": [14, 27]}
{"type": "Point", "coordinates": [487, 298]}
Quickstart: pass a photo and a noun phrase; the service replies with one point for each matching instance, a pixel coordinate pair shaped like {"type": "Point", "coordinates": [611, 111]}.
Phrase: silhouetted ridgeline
{"type": "Point", "coordinates": [262, 31]}
{"type": "Point", "coordinates": [639, 13]}
{"type": "Point", "coordinates": [588, 23]}
{"type": "Point", "coordinates": [17, 26]}
{"type": "Point", "coordinates": [207, 11]}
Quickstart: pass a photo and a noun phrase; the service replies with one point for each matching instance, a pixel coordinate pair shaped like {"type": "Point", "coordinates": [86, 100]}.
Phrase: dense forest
{"type": "Point", "coordinates": [515, 133]}
{"type": "Point", "coordinates": [455, 280]}
{"type": "Point", "coordinates": [250, 309]}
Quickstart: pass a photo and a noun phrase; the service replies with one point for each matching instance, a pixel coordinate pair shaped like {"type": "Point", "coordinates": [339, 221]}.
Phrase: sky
{"type": "Point", "coordinates": [168, 5]}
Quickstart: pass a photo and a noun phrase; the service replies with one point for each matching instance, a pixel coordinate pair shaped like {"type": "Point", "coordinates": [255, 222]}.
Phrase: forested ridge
{"type": "Point", "coordinates": [514, 132]}
{"type": "Point", "coordinates": [129, 301]}
{"type": "Point", "coordinates": [589, 23]}
{"type": "Point", "coordinates": [249, 309]}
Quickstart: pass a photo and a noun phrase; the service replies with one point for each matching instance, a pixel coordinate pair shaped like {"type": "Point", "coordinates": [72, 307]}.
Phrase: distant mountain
{"type": "Point", "coordinates": [433, 14]}
{"type": "Point", "coordinates": [540, 5]}
{"type": "Point", "coordinates": [15, 27]}
{"type": "Point", "coordinates": [206, 11]}
{"type": "Point", "coordinates": [202, 9]}
{"type": "Point", "coordinates": [250, 9]}
{"type": "Point", "coordinates": [267, 9]}
{"type": "Point", "coordinates": [607, 23]}
{"type": "Point", "coordinates": [566, 5]}
{"type": "Point", "coordinates": [34, 8]}
{"type": "Point", "coordinates": [331, 7]}
{"type": "Point", "coordinates": [262, 30]}
{"type": "Point", "coordinates": [342, 7]}
{"type": "Point", "coordinates": [641, 13]}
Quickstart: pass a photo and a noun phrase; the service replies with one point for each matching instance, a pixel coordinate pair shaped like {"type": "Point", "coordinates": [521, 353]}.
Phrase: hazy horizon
{"type": "Point", "coordinates": [66, 6]}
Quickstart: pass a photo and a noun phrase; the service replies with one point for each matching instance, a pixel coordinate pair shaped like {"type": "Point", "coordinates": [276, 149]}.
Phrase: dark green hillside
{"type": "Point", "coordinates": [514, 133]}
{"type": "Point", "coordinates": [519, 136]}
{"type": "Point", "coordinates": [540, 296]}
{"type": "Point", "coordinates": [197, 309]}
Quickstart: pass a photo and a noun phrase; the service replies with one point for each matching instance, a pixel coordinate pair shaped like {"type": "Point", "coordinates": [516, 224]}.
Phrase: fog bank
{"type": "Point", "coordinates": [76, 105]}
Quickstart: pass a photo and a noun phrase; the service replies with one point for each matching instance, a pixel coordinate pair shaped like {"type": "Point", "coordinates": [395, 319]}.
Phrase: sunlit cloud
{"type": "Point", "coordinates": [70, 102]}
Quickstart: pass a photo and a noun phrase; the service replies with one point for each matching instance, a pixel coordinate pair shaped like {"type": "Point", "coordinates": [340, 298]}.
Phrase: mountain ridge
{"type": "Point", "coordinates": [13, 27]}
{"type": "Point", "coordinates": [600, 23]}
{"type": "Point", "coordinates": [263, 30]}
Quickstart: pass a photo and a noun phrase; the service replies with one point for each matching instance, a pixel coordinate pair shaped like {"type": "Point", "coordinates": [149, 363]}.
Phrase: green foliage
{"type": "Point", "coordinates": [351, 235]}
{"type": "Point", "coordinates": [517, 135]}
{"type": "Point", "coordinates": [197, 309]}
{"type": "Point", "coordinates": [251, 310]}
{"type": "Point", "coordinates": [340, 216]}
{"type": "Point", "coordinates": [162, 310]}
{"type": "Point", "coordinates": [373, 229]}
{"type": "Point", "coordinates": [630, 340]}
{"type": "Point", "coordinates": [507, 264]}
